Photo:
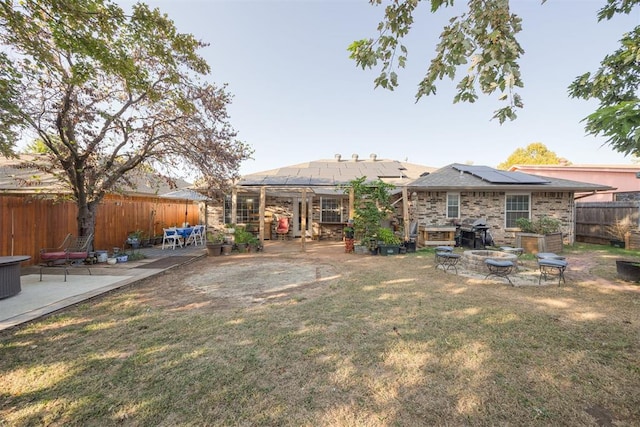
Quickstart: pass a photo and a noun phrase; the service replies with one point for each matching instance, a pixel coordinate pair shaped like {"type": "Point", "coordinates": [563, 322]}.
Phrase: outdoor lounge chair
{"type": "Point", "coordinates": [52, 256]}
{"type": "Point", "coordinates": [73, 251]}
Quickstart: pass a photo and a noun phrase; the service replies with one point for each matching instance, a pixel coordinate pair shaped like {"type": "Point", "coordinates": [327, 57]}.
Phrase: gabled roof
{"type": "Point", "coordinates": [458, 177]}
{"type": "Point", "coordinates": [334, 172]}
{"type": "Point", "coordinates": [16, 179]}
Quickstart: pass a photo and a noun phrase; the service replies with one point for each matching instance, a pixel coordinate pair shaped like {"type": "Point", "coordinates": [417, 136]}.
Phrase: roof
{"type": "Point", "coordinates": [335, 172]}
{"type": "Point", "coordinates": [460, 177]}
{"type": "Point", "coordinates": [15, 179]}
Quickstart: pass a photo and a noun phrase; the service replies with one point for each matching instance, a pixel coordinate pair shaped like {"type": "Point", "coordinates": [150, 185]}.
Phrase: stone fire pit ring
{"type": "Point", "coordinates": [474, 260]}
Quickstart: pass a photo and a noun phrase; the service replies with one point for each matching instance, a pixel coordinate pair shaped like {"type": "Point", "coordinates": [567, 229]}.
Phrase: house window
{"type": "Point", "coordinates": [517, 206]}
{"type": "Point", "coordinates": [453, 205]}
{"type": "Point", "coordinates": [246, 209]}
{"type": "Point", "coordinates": [331, 210]}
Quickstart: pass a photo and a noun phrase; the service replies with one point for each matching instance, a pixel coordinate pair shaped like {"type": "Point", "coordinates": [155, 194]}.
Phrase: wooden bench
{"type": "Point", "coordinates": [500, 269]}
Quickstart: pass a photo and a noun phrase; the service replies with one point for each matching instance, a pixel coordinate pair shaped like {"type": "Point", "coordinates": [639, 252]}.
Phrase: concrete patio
{"type": "Point", "coordinates": [39, 298]}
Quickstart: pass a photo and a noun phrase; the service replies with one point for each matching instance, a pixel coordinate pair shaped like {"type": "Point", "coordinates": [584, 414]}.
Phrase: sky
{"type": "Point", "coordinates": [298, 97]}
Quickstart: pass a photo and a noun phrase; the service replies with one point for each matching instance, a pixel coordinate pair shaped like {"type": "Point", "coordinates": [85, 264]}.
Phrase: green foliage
{"type": "Point", "coordinates": [371, 206]}
{"type": "Point", "coordinates": [386, 236]}
{"type": "Point", "coordinates": [481, 45]}
{"type": "Point", "coordinates": [615, 84]}
{"type": "Point", "coordinates": [215, 237]}
{"type": "Point", "coordinates": [123, 93]}
{"type": "Point", "coordinates": [483, 40]}
{"type": "Point", "coordinates": [534, 154]}
{"type": "Point", "coordinates": [544, 225]}
{"type": "Point", "coordinates": [241, 235]}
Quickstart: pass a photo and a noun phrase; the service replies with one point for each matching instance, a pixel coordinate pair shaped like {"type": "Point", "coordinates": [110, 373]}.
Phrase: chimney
{"type": "Point", "coordinates": [373, 157]}
{"type": "Point", "coordinates": [337, 157]}
{"type": "Point", "coordinates": [354, 157]}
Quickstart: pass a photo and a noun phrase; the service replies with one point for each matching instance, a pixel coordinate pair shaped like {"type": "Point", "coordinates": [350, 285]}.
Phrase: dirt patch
{"type": "Point", "coordinates": [284, 272]}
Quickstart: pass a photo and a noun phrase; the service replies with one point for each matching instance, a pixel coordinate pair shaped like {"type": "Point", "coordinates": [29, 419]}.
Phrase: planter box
{"type": "Point", "coordinates": [360, 249]}
{"type": "Point", "coordinates": [389, 250]}
{"type": "Point", "coordinates": [628, 270]}
{"type": "Point", "coordinates": [533, 243]}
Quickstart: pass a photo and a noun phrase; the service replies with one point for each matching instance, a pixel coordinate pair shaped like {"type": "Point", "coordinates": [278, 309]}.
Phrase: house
{"type": "Point", "coordinates": [313, 195]}
{"type": "Point", "coordinates": [35, 211]}
{"type": "Point", "coordinates": [624, 179]}
{"type": "Point", "coordinates": [457, 192]}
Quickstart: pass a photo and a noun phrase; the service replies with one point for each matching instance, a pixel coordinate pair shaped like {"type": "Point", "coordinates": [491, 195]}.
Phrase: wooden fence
{"type": "Point", "coordinates": [29, 222]}
{"type": "Point", "coordinates": [594, 218]}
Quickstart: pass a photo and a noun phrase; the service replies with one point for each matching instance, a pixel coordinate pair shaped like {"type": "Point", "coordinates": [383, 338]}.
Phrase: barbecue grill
{"type": "Point", "coordinates": [473, 233]}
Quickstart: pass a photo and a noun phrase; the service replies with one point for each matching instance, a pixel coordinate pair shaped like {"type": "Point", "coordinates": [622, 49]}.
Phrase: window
{"type": "Point", "coordinates": [517, 206]}
{"type": "Point", "coordinates": [453, 205]}
{"type": "Point", "coordinates": [246, 209]}
{"type": "Point", "coordinates": [331, 210]}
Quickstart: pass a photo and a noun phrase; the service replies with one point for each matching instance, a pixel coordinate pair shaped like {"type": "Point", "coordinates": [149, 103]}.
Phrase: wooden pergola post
{"type": "Point", "coordinates": [234, 205]}
{"type": "Point", "coordinates": [303, 220]}
{"type": "Point", "coordinates": [352, 198]}
{"type": "Point", "coordinates": [405, 213]}
{"type": "Point", "coordinates": [263, 196]}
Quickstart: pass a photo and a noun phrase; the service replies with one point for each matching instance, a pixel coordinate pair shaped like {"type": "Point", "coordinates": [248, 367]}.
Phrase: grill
{"type": "Point", "coordinates": [473, 233]}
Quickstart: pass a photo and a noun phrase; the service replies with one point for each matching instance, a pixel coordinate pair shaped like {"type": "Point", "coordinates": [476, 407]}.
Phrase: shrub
{"type": "Point", "coordinates": [544, 225]}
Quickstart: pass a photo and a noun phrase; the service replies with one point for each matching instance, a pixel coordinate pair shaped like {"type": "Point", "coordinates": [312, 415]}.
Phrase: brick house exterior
{"type": "Point", "coordinates": [492, 198]}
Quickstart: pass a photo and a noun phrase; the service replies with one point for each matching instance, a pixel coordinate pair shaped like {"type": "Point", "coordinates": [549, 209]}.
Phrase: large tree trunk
{"type": "Point", "coordinates": [87, 218]}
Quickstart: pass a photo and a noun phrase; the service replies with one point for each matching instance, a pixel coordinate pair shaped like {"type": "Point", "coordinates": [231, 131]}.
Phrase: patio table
{"type": "Point", "coordinates": [10, 275]}
{"type": "Point", "coordinates": [184, 232]}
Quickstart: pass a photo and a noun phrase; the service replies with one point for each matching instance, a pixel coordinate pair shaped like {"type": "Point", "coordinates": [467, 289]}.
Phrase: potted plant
{"type": "Point", "coordinates": [542, 235]}
{"type": "Point", "coordinates": [215, 240]}
{"type": "Point", "coordinates": [388, 242]}
{"type": "Point", "coordinates": [242, 238]}
{"type": "Point", "coordinates": [133, 239]}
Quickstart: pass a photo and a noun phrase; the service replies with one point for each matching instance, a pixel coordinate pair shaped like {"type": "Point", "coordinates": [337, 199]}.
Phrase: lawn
{"type": "Point", "coordinates": [370, 341]}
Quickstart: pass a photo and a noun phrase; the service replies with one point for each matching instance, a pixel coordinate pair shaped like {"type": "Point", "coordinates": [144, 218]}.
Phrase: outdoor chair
{"type": "Point", "coordinates": [171, 237]}
{"type": "Point", "coordinates": [282, 228]}
{"type": "Point", "coordinates": [76, 252]}
{"type": "Point", "coordinates": [202, 234]}
{"type": "Point", "coordinates": [195, 237]}
{"type": "Point", "coordinates": [52, 256]}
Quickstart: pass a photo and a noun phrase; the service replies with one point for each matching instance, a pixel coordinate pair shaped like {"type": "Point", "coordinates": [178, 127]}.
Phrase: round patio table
{"type": "Point", "coordinates": [10, 275]}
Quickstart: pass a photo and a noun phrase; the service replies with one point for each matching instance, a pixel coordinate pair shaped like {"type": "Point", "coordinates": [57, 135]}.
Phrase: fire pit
{"type": "Point", "coordinates": [474, 260]}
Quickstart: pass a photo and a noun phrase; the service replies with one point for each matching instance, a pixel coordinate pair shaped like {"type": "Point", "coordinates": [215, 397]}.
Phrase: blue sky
{"type": "Point", "coordinates": [298, 96]}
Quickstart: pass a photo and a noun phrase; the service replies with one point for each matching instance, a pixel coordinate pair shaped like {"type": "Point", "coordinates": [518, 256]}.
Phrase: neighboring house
{"type": "Point", "coordinates": [312, 195]}
{"type": "Point", "coordinates": [458, 192]}
{"type": "Point", "coordinates": [35, 211]}
{"type": "Point", "coordinates": [624, 179]}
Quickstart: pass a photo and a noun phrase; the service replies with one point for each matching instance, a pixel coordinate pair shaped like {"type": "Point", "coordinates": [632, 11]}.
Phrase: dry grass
{"type": "Point", "coordinates": [390, 341]}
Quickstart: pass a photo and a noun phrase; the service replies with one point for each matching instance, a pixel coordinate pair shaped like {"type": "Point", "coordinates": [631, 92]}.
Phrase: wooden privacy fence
{"type": "Point", "coordinates": [594, 218]}
{"type": "Point", "coordinates": [30, 222]}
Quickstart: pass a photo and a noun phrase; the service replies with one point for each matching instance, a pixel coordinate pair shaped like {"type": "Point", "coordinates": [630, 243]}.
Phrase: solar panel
{"type": "Point", "coordinates": [495, 176]}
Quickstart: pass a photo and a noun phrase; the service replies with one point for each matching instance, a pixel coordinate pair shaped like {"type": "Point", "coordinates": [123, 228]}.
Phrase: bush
{"type": "Point", "coordinates": [386, 236]}
{"type": "Point", "coordinates": [544, 225]}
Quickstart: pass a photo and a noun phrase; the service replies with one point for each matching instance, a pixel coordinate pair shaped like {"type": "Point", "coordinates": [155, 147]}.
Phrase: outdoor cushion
{"type": "Point", "coordinates": [48, 256]}
{"type": "Point", "coordinates": [497, 263]}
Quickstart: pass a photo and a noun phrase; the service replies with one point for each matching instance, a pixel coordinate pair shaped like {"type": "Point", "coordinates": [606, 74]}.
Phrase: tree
{"type": "Point", "coordinates": [534, 154]}
{"type": "Point", "coordinates": [484, 39]}
{"type": "Point", "coordinates": [112, 96]}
